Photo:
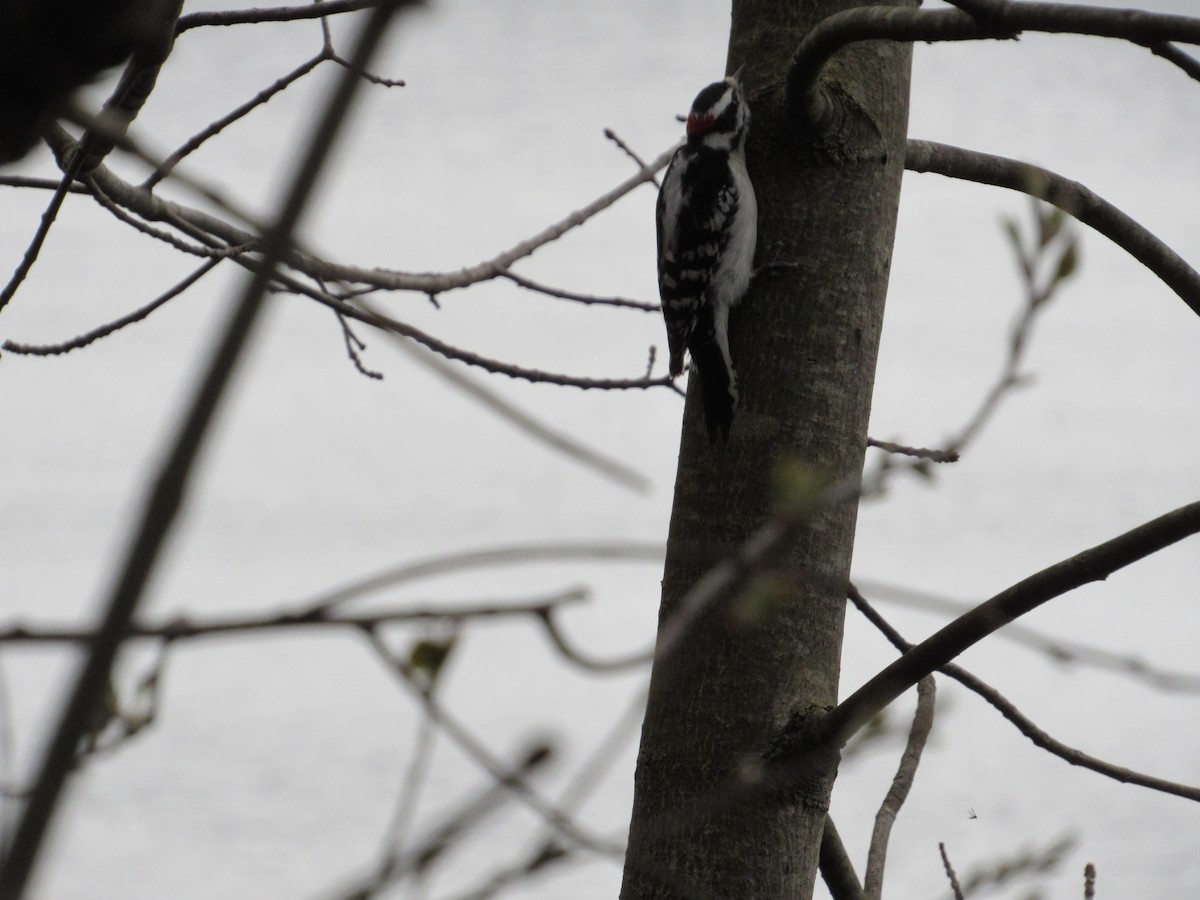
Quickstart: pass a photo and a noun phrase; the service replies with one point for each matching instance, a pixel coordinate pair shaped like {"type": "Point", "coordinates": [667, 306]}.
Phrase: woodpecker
{"type": "Point", "coordinates": [707, 220]}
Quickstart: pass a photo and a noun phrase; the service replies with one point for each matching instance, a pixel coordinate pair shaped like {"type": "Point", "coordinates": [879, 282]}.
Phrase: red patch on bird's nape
{"type": "Point", "coordinates": [697, 124]}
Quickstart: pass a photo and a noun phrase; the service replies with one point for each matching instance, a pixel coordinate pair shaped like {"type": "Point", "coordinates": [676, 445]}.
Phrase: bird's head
{"type": "Point", "coordinates": [719, 117]}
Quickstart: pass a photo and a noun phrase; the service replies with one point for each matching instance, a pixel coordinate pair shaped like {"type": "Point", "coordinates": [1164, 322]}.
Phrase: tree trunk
{"type": "Point", "coordinates": [804, 343]}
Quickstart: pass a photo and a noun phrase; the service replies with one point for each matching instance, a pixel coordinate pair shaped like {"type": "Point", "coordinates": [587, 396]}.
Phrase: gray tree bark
{"type": "Point", "coordinates": [804, 343]}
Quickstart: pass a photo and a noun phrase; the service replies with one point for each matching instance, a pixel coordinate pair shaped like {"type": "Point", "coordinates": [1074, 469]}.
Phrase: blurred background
{"type": "Point", "coordinates": [276, 762]}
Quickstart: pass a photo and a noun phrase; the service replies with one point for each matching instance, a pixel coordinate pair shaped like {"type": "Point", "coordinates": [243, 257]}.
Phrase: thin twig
{"type": "Point", "coordinates": [628, 151]}
{"type": "Point", "coordinates": [922, 724]}
{"type": "Point", "coordinates": [954, 885]}
{"type": "Point", "coordinates": [549, 622]}
{"type": "Point", "coordinates": [474, 748]}
{"type": "Point", "coordinates": [47, 184]}
{"type": "Point", "coordinates": [1054, 648]}
{"type": "Point", "coordinates": [354, 346]}
{"type": "Point", "coordinates": [573, 449]}
{"type": "Point", "coordinates": [1007, 709]}
{"type": "Point", "coordinates": [1091, 565]}
{"type": "Point", "coordinates": [548, 849]}
{"type": "Point", "coordinates": [303, 617]}
{"type": "Point", "coordinates": [105, 330]}
{"type": "Point", "coordinates": [417, 862]}
{"type": "Point", "coordinates": [586, 299]}
{"type": "Point", "coordinates": [453, 563]}
{"type": "Point", "coordinates": [937, 456]}
{"type": "Point", "coordinates": [197, 140]}
{"type": "Point", "coordinates": [39, 237]}
{"type": "Point", "coordinates": [150, 206]}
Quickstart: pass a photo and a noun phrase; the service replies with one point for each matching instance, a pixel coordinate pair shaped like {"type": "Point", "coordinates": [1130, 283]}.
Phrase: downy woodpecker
{"type": "Point", "coordinates": [707, 228]}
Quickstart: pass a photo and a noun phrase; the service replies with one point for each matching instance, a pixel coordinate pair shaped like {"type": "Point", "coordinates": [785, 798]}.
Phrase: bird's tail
{"type": "Point", "coordinates": [718, 386]}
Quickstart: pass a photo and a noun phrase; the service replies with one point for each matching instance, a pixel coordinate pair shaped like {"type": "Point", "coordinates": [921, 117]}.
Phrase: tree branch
{"type": "Point", "coordinates": [1069, 196]}
{"type": "Point", "coordinates": [1024, 724]}
{"type": "Point", "coordinates": [1055, 649]}
{"type": "Point", "coordinates": [154, 208]}
{"type": "Point", "coordinates": [183, 628]}
{"type": "Point", "coordinates": [105, 330]}
{"type": "Point", "coordinates": [271, 14]}
{"type": "Point", "coordinates": [214, 128]}
{"type": "Point", "coordinates": [901, 784]}
{"type": "Point", "coordinates": [593, 459]}
{"type": "Point", "coordinates": [837, 871]}
{"type": "Point", "coordinates": [812, 104]}
{"type": "Point", "coordinates": [1094, 564]}
{"type": "Point", "coordinates": [554, 817]}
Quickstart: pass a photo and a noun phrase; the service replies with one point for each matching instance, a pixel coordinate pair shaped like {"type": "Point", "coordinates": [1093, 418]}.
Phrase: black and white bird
{"type": "Point", "coordinates": [707, 229]}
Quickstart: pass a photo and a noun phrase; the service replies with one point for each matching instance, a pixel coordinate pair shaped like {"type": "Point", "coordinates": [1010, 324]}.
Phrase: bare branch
{"type": "Point", "coordinates": [1024, 724]}
{"type": "Point", "coordinates": [49, 184]}
{"type": "Point", "coordinates": [184, 628]}
{"type": "Point", "coordinates": [893, 23]}
{"type": "Point", "coordinates": [548, 849]}
{"type": "Point", "coordinates": [495, 366]}
{"type": "Point", "coordinates": [836, 869]}
{"type": "Point", "coordinates": [149, 206]}
{"type": "Point", "coordinates": [1091, 565]}
{"type": "Point", "coordinates": [474, 748]}
{"type": "Point", "coordinates": [569, 447]}
{"type": "Point", "coordinates": [954, 885]}
{"type": "Point", "coordinates": [586, 299]}
{"type": "Point", "coordinates": [550, 623]}
{"type": "Point", "coordinates": [627, 150]}
{"type": "Point", "coordinates": [440, 282]}
{"type": "Point", "coordinates": [901, 784]}
{"type": "Point", "coordinates": [206, 246]}
{"type": "Point", "coordinates": [513, 554]}
{"type": "Point", "coordinates": [197, 140]}
{"type": "Point", "coordinates": [417, 862]}
{"type": "Point", "coordinates": [271, 14]}
{"type": "Point", "coordinates": [354, 345]}
{"type": "Point", "coordinates": [1069, 196]}
{"type": "Point", "coordinates": [1056, 649]}
{"type": "Point", "coordinates": [105, 330]}
{"type": "Point", "coordinates": [937, 456]}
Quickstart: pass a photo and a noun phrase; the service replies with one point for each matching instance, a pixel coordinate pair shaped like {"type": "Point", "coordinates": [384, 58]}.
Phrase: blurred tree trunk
{"type": "Point", "coordinates": [805, 343]}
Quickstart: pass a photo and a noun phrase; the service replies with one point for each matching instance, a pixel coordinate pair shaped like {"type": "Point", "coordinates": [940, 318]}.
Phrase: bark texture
{"type": "Point", "coordinates": [804, 343]}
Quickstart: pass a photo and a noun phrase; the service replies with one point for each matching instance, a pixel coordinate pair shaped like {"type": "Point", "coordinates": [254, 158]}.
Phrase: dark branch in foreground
{"type": "Point", "coordinates": [165, 494]}
{"type": "Point", "coordinates": [1069, 196]}
{"type": "Point", "coordinates": [930, 655]}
